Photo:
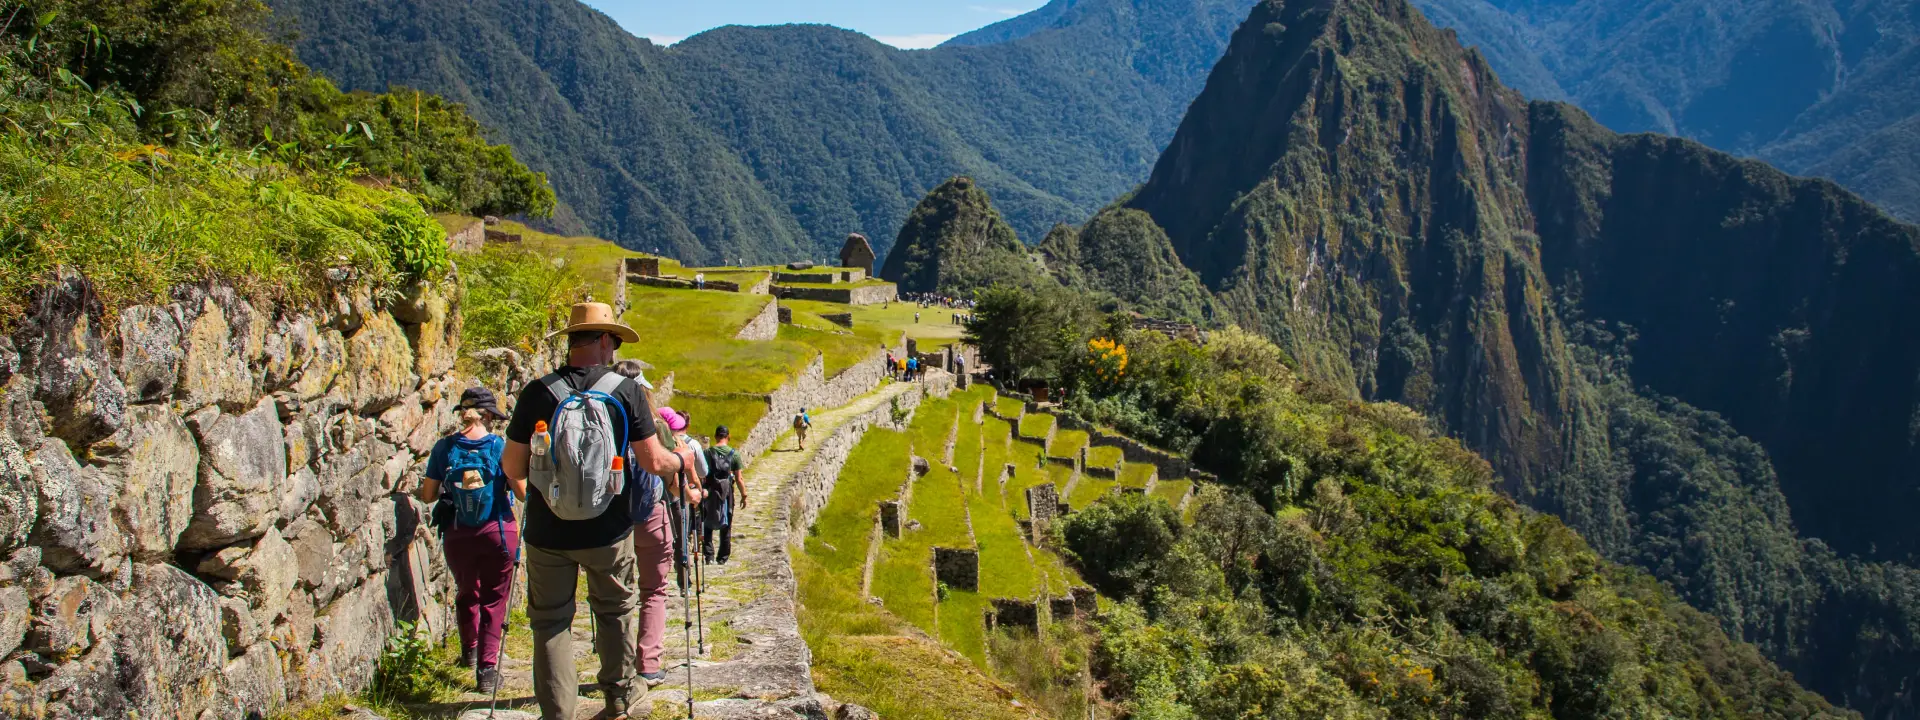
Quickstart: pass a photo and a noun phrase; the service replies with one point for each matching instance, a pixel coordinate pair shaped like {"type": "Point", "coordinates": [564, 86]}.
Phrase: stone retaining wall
{"type": "Point", "coordinates": [759, 287]}
{"type": "Point", "coordinates": [662, 282]}
{"type": "Point", "coordinates": [619, 303]}
{"type": "Point", "coordinates": [864, 295]}
{"type": "Point", "coordinates": [764, 326]}
{"type": "Point", "coordinates": [810, 389]}
{"type": "Point", "coordinates": [203, 508]}
{"type": "Point", "coordinates": [813, 486]}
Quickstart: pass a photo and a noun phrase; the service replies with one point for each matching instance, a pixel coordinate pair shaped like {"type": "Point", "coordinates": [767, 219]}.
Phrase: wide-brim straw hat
{"type": "Point", "coordinates": [596, 317]}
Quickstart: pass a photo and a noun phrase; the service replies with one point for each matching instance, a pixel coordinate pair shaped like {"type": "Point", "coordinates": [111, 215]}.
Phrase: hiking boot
{"type": "Point", "coordinates": [655, 678]}
{"type": "Point", "coordinates": [486, 680]}
{"type": "Point", "coordinates": [616, 705]}
{"type": "Point", "coordinates": [469, 656]}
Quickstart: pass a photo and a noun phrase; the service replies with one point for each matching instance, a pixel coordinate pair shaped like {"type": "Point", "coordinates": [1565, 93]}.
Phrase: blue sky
{"type": "Point", "coordinates": [900, 23]}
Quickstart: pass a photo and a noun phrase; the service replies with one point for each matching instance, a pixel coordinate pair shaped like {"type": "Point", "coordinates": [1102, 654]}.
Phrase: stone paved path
{"type": "Point", "coordinates": [754, 663]}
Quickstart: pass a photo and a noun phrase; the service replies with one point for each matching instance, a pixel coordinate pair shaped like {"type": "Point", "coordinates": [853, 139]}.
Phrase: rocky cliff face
{"type": "Point", "coordinates": [1613, 321]}
{"type": "Point", "coordinates": [1350, 184]}
{"type": "Point", "coordinates": [199, 506]}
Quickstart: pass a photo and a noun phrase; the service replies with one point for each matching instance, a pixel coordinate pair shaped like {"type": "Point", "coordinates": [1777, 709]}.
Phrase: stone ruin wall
{"type": "Point", "coordinates": [764, 326]}
{"type": "Point", "coordinates": [865, 295]}
{"type": "Point", "coordinates": [201, 512]}
{"type": "Point", "coordinates": [811, 389]}
{"type": "Point", "coordinates": [813, 485]}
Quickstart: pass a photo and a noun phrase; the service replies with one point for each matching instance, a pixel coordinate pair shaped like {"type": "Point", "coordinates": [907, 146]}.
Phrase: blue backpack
{"type": "Point", "coordinates": [472, 507]}
{"type": "Point", "coordinates": [647, 490]}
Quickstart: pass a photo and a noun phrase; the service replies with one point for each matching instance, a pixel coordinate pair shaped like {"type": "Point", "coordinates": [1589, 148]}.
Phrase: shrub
{"type": "Point", "coordinates": [1121, 542]}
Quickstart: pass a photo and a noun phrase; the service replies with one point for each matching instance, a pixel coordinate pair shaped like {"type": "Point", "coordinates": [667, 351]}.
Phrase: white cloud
{"type": "Point", "coordinates": [1001, 11]}
{"type": "Point", "coordinates": [664, 39]}
{"type": "Point", "coordinates": [920, 41]}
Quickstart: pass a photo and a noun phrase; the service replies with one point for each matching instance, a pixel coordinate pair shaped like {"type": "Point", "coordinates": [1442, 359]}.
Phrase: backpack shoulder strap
{"type": "Point", "coordinates": [558, 386]}
{"type": "Point", "coordinates": [609, 383]}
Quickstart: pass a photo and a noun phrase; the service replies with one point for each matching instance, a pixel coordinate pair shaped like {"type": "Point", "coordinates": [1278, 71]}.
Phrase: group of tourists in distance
{"type": "Point", "coordinates": [586, 479]}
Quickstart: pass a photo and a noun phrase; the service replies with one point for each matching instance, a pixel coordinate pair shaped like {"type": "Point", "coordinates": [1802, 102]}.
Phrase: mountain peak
{"type": "Point", "coordinates": [1319, 83]}
{"type": "Point", "coordinates": [955, 240]}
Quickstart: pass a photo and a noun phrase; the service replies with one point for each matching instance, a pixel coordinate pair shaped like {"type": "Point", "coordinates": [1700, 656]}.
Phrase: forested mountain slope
{"type": "Point", "coordinates": [1701, 363]}
{"type": "Point", "coordinates": [1827, 87]}
{"type": "Point", "coordinates": [774, 143]}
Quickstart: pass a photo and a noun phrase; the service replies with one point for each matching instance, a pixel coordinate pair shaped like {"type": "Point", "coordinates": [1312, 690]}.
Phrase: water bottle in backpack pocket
{"type": "Point", "coordinates": [589, 432]}
{"type": "Point", "coordinates": [470, 484]}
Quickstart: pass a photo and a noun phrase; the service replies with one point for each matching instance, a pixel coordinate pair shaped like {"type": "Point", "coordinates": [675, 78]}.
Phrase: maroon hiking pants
{"type": "Point", "coordinates": [482, 563]}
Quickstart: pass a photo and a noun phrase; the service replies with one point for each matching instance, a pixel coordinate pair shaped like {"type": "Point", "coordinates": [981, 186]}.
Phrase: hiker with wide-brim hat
{"type": "Point", "coordinates": [482, 539]}
{"type": "Point", "coordinates": [571, 434]}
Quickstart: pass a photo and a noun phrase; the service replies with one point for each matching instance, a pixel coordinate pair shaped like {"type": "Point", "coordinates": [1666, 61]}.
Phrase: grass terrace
{"type": "Point", "coordinates": [903, 580]}
{"type": "Point", "coordinates": [1136, 475]}
{"type": "Point", "coordinates": [838, 349]}
{"type": "Point", "coordinates": [1067, 443]}
{"type": "Point", "coordinates": [935, 329]}
{"type": "Point", "coordinates": [744, 278]}
{"type": "Point", "coordinates": [1086, 492]}
{"type": "Point", "coordinates": [967, 508]}
{"type": "Point", "coordinates": [1105, 457]}
{"type": "Point", "coordinates": [1172, 491]}
{"type": "Point", "coordinates": [690, 333]}
{"type": "Point", "coordinates": [1027, 473]}
{"type": "Point", "coordinates": [1009, 407]}
{"type": "Point", "coordinates": [1036, 425]}
{"type": "Point", "coordinates": [596, 260]}
{"type": "Point", "coordinates": [738, 412]}
{"type": "Point", "coordinates": [865, 654]}
{"type": "Point", "coordinates": [874, 472]}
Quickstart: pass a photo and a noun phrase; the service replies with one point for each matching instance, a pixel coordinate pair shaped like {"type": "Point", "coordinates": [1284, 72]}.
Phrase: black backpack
{"type": "Point", "coordinates": [719, 465]}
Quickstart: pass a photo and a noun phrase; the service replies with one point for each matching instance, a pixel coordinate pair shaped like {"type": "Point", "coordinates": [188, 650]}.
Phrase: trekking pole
{"type": "Point", "coordinates": [696, 524]}
{"type": "Point", "coordinates": [679, 529]}
{"type": "Point", "coordinates": [493, 700]}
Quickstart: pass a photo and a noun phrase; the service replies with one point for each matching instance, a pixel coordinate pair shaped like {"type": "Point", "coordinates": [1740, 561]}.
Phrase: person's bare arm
{"type": "Point", "coordinates": [513, 462]}
{"type": "Point", "coordinates": [740, 488]}
{"type": "Point", "coordinates": [429, 491]}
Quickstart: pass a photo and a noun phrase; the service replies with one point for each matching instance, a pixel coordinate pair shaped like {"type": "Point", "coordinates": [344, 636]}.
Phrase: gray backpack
{"type": "Point", "coordinates": [589, 430]}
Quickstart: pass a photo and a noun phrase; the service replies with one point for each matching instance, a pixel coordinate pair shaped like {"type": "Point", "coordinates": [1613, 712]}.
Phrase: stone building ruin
{"type": "Point", "coordinates": [857, 253]}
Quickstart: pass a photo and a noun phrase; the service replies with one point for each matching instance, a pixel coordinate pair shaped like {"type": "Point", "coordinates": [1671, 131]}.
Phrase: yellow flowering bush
{"type": "Point", "coordinates": [1106, 362]}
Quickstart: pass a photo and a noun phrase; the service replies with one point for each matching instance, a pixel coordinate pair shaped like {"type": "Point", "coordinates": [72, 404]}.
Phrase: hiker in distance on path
{"type": "Point", "coordinates": [801, 424]}
{"type": "Point", "coordinates": [568, 440]}
{"type": "Point", "coordinates": [726, 489]}
{"type": "Point", "coordinates": [653, 547]}
{"type": "Point", "coordinates": [482, 539]}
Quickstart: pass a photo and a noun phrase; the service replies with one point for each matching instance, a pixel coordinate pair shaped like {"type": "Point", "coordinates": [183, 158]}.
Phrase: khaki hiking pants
{"type": "Point", "coordinates": [611, 595]}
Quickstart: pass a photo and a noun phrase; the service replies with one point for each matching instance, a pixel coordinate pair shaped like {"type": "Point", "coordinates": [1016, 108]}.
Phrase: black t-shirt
{"type": "Point", "coordinates": [536, 403]}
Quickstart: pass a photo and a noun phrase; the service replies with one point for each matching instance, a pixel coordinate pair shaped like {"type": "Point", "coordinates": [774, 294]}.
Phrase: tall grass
{"type": "Point", "coordinates": [77, 194]}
